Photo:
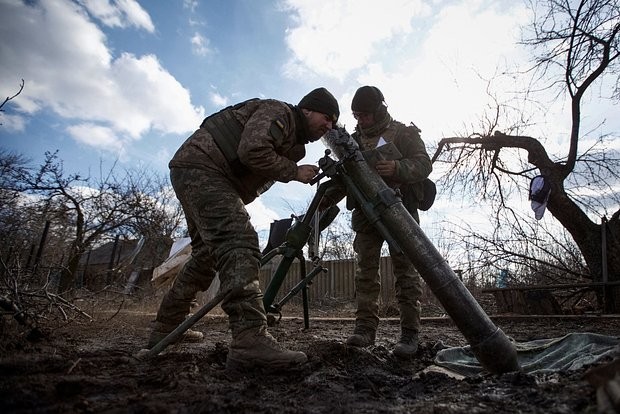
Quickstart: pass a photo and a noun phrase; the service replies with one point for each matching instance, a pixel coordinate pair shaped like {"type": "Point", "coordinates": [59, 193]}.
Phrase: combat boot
{"type": "Point", "coordinates": [256, 348]}
{"type": "Point", "coordinates": [408, 344]}
{"type": "Point", "coordinates": [161, 330]}
{"type": "Point", "coordinates": [362, 337]}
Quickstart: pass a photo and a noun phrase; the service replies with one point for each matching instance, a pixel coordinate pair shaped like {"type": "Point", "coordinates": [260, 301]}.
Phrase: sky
{"type": "Point", "coordinates": [129, 81]}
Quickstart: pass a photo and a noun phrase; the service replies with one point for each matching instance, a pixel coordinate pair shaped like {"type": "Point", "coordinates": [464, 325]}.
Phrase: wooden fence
{"type": "Point", "coordinates": [338, 282]}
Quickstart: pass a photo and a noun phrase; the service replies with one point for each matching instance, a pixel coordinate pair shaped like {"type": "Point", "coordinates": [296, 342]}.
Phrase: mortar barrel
{"type": "Point", "coordinates": [489, 344]}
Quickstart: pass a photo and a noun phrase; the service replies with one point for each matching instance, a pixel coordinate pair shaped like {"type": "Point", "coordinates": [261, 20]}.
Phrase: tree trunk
{"type": "Point", "coordinates": [68, 274]}
{"type": "Point", "coordinates": [588, 237]}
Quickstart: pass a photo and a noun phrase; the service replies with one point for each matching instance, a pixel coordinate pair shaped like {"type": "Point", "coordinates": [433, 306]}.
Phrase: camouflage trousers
{"type": "Point", "coordinates": [224, 241]}
{"type": "Point", "coordinates": [408, 285]}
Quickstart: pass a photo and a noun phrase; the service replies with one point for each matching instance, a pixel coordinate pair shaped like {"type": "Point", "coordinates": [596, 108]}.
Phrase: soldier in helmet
{"type": "Point", "coordinates": [374, 127]}
{"type": "Point", "coordinates": [236, 155]}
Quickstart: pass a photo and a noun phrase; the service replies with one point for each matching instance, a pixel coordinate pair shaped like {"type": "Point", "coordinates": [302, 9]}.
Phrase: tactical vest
{"type": "Point", "coordinates": [226, 131]}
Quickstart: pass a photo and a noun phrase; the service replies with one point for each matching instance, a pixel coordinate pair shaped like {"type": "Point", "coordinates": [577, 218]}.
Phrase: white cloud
{"type": "Point", "coordinates": [442, 84]}
{"type": "Point", "coordinates": [96, 136]}
{"type": "Point", "coordinates": [120, 13]}
{"type": "Point", "coordinates": [218, 100]}
{"type": "Point", "coordinates": [438, 64]}
{"type": "Point", "coordinates": [190, 4]}
{"type": "Point", "coordinates": [200, 45]}
{"type": "Point", "coordinates": [13, 123]}
{"type": "Point", "coordinates": [149, 96]}
{"type": "Point", "coordinates": [333, 38]}
{"type": "Point", "coordinates": [163, 156]}
{"type": "Point", "coordinates": [261, 215]}
{"type": "Point", "coordinates": [69, 69]}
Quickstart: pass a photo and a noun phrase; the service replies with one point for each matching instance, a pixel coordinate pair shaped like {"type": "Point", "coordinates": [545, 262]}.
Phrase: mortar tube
{"type": "Point", "coordinates": [495, 352]}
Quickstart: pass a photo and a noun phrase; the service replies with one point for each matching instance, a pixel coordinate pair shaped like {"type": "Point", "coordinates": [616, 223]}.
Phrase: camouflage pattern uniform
{"type": "Point", "coordinates": [213, 195]}
{"type": "Point", "coordinates": [414, 166]}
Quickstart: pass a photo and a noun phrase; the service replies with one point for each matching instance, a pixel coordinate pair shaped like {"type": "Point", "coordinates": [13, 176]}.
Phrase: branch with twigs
{"type": "Point", "coordinates": [34, 308]}
{"type": "Point", "coordinates": [8, 98]}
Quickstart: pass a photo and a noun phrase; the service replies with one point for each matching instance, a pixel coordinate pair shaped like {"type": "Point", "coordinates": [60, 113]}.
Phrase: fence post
{"type": "Point", "coordinates": [608, 300]}
{"type": "Point", "coordinates": [111, 263]}
{"type": "Point", "coordinates": [37, 258]}
{"type": "Point", "coordinates": [30, 256]}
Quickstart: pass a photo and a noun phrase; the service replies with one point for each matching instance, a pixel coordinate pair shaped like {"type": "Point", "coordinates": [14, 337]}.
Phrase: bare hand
{"type": "Point", "coordinates": [386, 168]}
{"type": "Point", "coordinates": [305, 173]}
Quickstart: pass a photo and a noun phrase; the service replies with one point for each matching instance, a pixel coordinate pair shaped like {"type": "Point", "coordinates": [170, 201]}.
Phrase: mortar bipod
{"type": "Point", "coordinates": [291, 248]}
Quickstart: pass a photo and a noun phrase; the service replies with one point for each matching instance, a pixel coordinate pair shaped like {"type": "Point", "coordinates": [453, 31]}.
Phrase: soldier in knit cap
{"type": "Point", "coordinates": [375, 127]}
{"type": "Point", "coordinates": [236, 155]}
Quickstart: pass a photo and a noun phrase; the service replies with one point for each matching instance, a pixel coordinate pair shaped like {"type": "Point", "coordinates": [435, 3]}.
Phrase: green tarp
{"type": "Point", "coordinates": [569, 352]}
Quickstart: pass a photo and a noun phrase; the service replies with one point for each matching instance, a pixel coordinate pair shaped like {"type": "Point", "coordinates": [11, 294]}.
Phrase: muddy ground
{"type": "Point", "coordinates": [89, 366]}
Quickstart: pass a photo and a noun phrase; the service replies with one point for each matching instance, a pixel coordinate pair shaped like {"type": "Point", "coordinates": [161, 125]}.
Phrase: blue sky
{"type": "Point", "coordinates": [129, 80]}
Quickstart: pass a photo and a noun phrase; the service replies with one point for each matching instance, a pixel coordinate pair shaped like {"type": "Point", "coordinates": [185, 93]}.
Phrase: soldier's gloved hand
{"type": "Point", "coordinates": [306, 172]}
{"type": "Point", "coordinates": [386, 168]}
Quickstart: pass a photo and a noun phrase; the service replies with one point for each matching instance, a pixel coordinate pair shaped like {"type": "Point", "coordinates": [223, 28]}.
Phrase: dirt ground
{"type": "Point", "coordinates": [90, 366]}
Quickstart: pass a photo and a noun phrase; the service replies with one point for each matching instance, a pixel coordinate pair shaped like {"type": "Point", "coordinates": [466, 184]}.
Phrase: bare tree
{"type": "Point", "coordinates": [13, 168]}
{"type": "Point", "coordinates": [159, 218]}
{"type": "Point", "coordinates": [96, 208]}
{"type": "Point", "coordinates": [576, 45]}
{"type": "Point", "coordinates": [161, 215]}
{"type": "Point", "coordinates": [337, 239]}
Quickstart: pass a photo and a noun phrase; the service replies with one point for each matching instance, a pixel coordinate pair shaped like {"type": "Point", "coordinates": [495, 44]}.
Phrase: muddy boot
{"type": "Point", "coordinates": [160, 331]}
{"type": "Point", "coordinates": [256, 348]}
{"type": "Point", "coordinates": [362, 337]}
{"type": "Point", "coordinates": [408, 344]}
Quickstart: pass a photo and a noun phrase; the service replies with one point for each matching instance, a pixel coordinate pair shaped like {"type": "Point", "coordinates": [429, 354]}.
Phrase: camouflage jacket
{"type": "Point", "coordinates": [271, 144]}
{"type": "Point", "coordinates": [411, 169]}
{"type": "Point", "coordinates": [415, 164]}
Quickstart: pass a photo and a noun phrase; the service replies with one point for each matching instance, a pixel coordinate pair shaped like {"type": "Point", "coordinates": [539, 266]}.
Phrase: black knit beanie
{"type": "Point", "coordinates": [321, 100]}
{"type": "Point", "coordinates": [367, 99]}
